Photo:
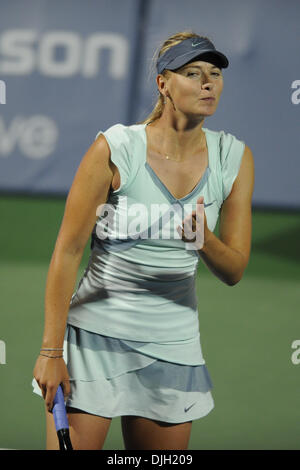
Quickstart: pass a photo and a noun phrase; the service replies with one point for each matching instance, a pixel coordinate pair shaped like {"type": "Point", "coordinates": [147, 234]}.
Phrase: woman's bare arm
{"type": "Point", "coordinates": [228, 256]}
{"type": "Point", "coordinates": [89, 189]}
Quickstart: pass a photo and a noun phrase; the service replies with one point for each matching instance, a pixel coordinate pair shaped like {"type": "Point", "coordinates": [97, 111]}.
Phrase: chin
{"type": "Point", "coordinates": [205, 114]}
{"type": "Point", "coordinates": [209, 112]}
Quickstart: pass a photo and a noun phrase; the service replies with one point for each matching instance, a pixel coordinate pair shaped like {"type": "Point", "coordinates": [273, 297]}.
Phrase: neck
{"type": "Point", "coordinates": [178, 139]}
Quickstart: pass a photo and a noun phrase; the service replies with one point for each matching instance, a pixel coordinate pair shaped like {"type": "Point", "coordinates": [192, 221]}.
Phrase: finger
{"type": "Point", "coordinates": [179, 230]}
{"type": "Point", "coordinates": [50, 394]}
{"type": "Point", "coordinates": [66, 387]}
{"type": "Point", "coordinates": [199, 208]}
{"type": "Point", "coordinates": [182, 234]}
{"type": "Point", "coordinates": [44, 391]}
{"type": "Point", "coordinates": [189, 225]}
{"type": "Point", "coordinates": [42, 388]}
{"type": "Point", "coordinates": [189, 228]}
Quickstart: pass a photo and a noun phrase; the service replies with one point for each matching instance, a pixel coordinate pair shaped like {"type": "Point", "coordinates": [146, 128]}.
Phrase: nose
{"type": "Point", "coordinates": [206, 83]}
{"type": "Point", "coordinates": [207, 86]}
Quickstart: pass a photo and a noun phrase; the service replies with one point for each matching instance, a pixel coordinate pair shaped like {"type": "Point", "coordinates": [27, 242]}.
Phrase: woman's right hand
{"type": "Point", "coordinates": [49, 374]}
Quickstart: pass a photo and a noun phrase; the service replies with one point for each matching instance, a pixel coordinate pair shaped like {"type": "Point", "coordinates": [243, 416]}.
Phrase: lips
{"type": "Point", "coordinates": [210, 98]}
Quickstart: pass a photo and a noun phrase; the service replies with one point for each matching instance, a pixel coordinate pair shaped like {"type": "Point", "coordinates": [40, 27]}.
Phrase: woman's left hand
{"type": "Point", "coordinates": [194, 226]}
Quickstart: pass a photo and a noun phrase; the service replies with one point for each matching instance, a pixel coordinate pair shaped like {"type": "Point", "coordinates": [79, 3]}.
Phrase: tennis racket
{"type": "Point", "coordinates": [61, 421]}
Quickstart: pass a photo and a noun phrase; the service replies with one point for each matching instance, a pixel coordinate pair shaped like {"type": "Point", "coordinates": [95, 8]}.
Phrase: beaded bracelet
{"type": "Point", "coordinates": [51, 349]}
{"type": "Point", "coordinates": [51, 357]}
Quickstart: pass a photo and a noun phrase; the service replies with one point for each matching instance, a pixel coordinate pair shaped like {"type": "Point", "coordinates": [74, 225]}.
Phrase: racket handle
{"type": "Point", "coordinates": [59, 411]}
{"type": "Point", "coordinates": [61, 420]}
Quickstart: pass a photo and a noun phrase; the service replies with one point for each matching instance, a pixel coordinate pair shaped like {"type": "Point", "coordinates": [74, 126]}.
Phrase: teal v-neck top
{"type": "Point", "coordinates": [140, 282]}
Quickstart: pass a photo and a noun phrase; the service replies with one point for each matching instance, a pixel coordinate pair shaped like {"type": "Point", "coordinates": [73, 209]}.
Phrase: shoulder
{"type": "Point", "coordinates": [113, 133]}
{"type": "Point", "coordinates": [120, 131]}
{"type": "Point", "coordinates": [235, 162]}
{"type": "Point", "coordinates": [243, 186]}
{"type": "Point", "coordinates": [220, 135]}
{"type": "Point", "coordinates": [124, 139]}
{"type": "Point", "coordinates": [227, 144]}
{"type": "Point", "coordinates": [124, 157]}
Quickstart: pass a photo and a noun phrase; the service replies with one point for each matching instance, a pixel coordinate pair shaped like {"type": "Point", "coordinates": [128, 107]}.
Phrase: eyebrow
{"type": "Point", "coordinates": [199, 67]}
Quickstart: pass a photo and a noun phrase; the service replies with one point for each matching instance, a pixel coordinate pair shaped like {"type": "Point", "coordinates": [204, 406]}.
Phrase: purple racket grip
{"type": "Point", "coordinates": [59, 411]}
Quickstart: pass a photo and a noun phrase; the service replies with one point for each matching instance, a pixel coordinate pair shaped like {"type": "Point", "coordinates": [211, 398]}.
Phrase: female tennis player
{"type": "Point", "coordinates": [127, 341]}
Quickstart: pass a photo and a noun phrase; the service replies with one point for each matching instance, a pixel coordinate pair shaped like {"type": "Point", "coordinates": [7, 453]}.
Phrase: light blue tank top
{"type": "Point", "coordinates": [140, 282]}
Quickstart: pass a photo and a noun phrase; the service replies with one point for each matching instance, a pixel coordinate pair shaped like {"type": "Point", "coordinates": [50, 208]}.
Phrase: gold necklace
{"type": "Point", "coordinates": [168, 158]}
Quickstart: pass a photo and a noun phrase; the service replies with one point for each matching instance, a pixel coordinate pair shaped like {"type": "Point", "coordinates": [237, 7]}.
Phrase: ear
{"type": "Point", "coordinates": [161, 82]}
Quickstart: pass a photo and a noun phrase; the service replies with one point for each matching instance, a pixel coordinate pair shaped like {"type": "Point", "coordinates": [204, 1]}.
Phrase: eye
{"type": "Point", "coordinates": [217, 74]}
{"type": "Point", "coordinates": [192, 74]}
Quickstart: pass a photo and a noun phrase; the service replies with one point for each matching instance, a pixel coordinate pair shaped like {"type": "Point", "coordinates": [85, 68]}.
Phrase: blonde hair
{"type": "Point", "coordinates": [171, 41]}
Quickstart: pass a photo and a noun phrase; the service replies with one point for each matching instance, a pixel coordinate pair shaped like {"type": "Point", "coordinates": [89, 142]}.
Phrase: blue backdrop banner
{"type": "Point", "coordinates": [70, 68]}
{"type": "Point", "coordinates": [67, 66]}
{"type": "Point", "coordinates": [260, 103]}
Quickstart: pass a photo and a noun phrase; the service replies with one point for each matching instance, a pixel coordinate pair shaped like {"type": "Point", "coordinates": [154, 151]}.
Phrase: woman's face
{"type": "Point", "coordinates": [191, 84]}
